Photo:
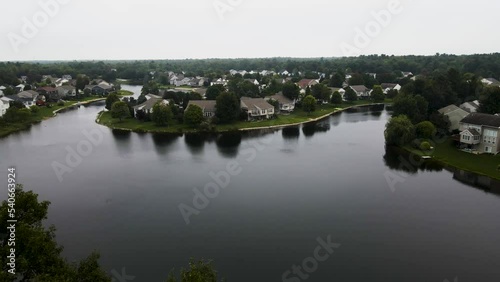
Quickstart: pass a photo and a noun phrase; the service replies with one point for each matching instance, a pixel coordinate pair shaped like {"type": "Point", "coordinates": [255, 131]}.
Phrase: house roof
{"type": "Point", "coordinates": [47, 89]}
{"type": "Point", "coordinates": [255, 104]}
{"type": "Point", "coordinates": [482, 119]}
{"type": "Point", "coordinates": [66, 87]}
{"type": "Point", "coordinates": [282, 99]}
{"type": "Point", "coordinates": [359, 88]}
{"type": "Point", "coordinates": [388, 85]}
{"type": "Point", "coordinates": [472, 131]}
{"type": "Point", "coordinates": [148, 105]}
{"type": "Point", "coordinates": [27, 94]}
{"type": "Point", "coordinates": [493, 81]}
{"type": "Point", "coordinates": [305, 82]}
{"type": "Point", "coordinates": [205, 105]}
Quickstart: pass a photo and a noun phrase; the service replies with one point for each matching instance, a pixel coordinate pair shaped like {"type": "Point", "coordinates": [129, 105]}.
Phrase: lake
{"type": "Point", "coordinates": [289, 193]}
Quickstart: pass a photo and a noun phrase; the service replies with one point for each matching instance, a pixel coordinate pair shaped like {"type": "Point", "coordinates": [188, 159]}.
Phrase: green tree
{"type": "Point", "coordinates": [377, 94]}
{"type": "Point", "coordinates": [399, 131]}
{"type": "Point", "coordinates": [309, 104]}
{"type": "Point", "coordinates": [291, 90]}
{"type": "Point", "coordinates": [227, 107]}
{"type": "Point", "coordinates": [14, 114]}
{"type": "Point", "coordinates": [214, 91]}
{"type": "Point", "coordinates": [392, 93]}
{"type": "Point", "coordinates": [193, 116]}
{"type": "Point", "coordinates": [351, 95]}
{"type": "Point", "coordinates": [120, 110]}
{"type": "Point", "coordinates": [321, 92]}
{"type": "Point", "coordinates": [490, 101]}
{"type": "Point", "coordinates": [110, 100]}
{"type": "Point", "coordinates": [336, 98]}
{"type": "Point", "coordinates": [38, 256]}
{"type": "Point", "coordinates": [81, 82]}
{"type": "Point", "coordinates": [198, 271]}
{"type": "Point", "coordinates": [337, 80]}
{"type": "Point", "coordinates": [425, 130]}
{"type": "Point", "coordinates": [414, 107]}
{"type": "Point", "coordinates": [162, 114]}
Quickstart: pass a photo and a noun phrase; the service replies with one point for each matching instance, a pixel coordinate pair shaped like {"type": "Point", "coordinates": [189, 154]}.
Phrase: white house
{"type": "Point", "coordinates": [490, 82]}
{"type": "Point", "coordinates": [66, 91]}
{"type": "Point", "coordinates": [285, 104]}
{"type": "Point", "coordinates": [454, 114]}
{"type": "Point", "coordinates": [4, 105]}
{"type": "Point", "coordinates": [481, 133]}
{"type": "Point", "coordinates": [361, 90]}
{"type": "Point", "coordinates": [257, 108]}
{"type": "Point", "coordinates": [470, 107]}
{"type": "Point", "coordinates": [147, 107]}
{"type": "Point", "coordinates": [386, 87]}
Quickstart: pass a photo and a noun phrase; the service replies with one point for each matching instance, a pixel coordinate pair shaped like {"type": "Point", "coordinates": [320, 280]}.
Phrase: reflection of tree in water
{"type": "Point", "coordinates": [195, 142]}
{"type": "Point", "coordinates": [376, 110]}
{"type": "Point", "coordinates": [400, 160]}
{"type": "Point", "coordinates": [163, 141]}
{"type": "Point", "coordinates": [291, 133]}
{"type": "Point", "coordinates": [311, 128]}
{"type": "Point", "coordinates": [228, 144]}
{"type": "Point", "coordinates": [122, 141]}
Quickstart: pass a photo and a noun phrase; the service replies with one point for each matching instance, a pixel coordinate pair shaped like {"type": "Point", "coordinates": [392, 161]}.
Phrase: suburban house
{"type": "Point", "coordinates": [2, 88]}
{"type": "Point", "coordinates": [208, 107]}
{"type": "Point", "coordinates": [480, 133]}
{"type": "Point", "coordinates": [455, 115]}
{"type": "Point", "coordinates": [66, 91]}
{"type": "Point", "coordinates": [253, 81]}
{"type": "Point", "coordinates": [103, 88]}
{"type": "Point", "coordinates": [361, 90]}
{"type": "Point", "coordinates": [220, 81]}
{"type": "Point", "coordinates": [390, 86]}
{"type": "Point", "coordinates": [147, 107]}
{"type": "Point", "coordinates": [257, 108]}
{"type": "Point", "coordinates": [285, 104]}
{"type": "Point", "coordinates": [470, 107]}
{"type": "Point", "coordinates": [28, 98]}
{"type": "Point", "coordinates": [407, 74]}
{"type": "Point", "coordinates": [152, 96]}
{"type": "Point", "coordinates": [50, 93]}
{"type": "Point", "coordinates": [304, 83]}
{"type": "Point", "coordinates": [19, 88]}
{"type": "Point", "coordinates": [4, 105]}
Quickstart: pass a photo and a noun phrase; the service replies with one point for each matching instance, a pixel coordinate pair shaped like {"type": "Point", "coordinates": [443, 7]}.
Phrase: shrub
{"type": "Point", "coordinates": [425, 146]}
{"type": "Point", "coordinates": [34, 109]}
{"type": "Point", "coordinates": [60, 103]}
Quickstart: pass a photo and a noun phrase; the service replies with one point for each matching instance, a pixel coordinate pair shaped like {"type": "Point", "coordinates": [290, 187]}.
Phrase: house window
{"type": "Point", "coordinates": [487, 149]}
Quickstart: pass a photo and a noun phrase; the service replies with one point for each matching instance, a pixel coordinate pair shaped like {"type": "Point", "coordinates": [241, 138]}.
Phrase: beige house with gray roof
{"type": "Point", "coordinates": [455, 114]}
{"type": "Point", "coordinates": [480, 133]}
{"type": "Point", "coordinates": [285, 104]}
{"type": "Point", "coordinates": [257, 108]}
{"type": "Point", "coordinates": [208, 107]}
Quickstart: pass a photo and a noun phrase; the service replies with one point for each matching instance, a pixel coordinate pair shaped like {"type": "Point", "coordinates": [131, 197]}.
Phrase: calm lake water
{"type": "Point", "coordinates": [294, 186]}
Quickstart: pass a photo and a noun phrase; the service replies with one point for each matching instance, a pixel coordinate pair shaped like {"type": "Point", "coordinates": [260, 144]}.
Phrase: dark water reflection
{"type": "Point", "coordinates": [296, 184]}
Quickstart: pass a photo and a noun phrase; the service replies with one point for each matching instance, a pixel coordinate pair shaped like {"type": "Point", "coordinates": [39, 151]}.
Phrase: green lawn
{"type": "Point", "coordinates": [298, 116]}
{"type": "Point", "coordinates": [481, 164]}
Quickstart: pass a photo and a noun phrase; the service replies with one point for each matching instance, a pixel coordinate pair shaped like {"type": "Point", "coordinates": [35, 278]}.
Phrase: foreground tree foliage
{"type": "Point", "coordinates": [350, 95]}
{"type": "Point", "coordinates": [38, 256]}
{"type": "Point", "coordinates": [425, 130]}
{"type": "Point", "coordinates": [399, 131]}
{"type": "Point", "coordinates": [198, 271]}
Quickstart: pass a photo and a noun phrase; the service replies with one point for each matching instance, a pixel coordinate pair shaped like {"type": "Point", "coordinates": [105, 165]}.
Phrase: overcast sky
{"type": "Point", "coordinates": [164, 29]}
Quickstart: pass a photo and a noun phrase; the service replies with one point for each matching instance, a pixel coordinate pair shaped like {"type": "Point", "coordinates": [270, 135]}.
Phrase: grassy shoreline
{"type": "Point", "coordinates": [45, 113]}
{"type": "Point", "coordinates": [296, 118]}
{"type": "Point", "coordinates": [446, 154]}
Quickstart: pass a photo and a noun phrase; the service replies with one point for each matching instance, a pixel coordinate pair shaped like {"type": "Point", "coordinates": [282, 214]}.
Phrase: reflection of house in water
{"type": "Point", "coordinates": [483, 182]}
